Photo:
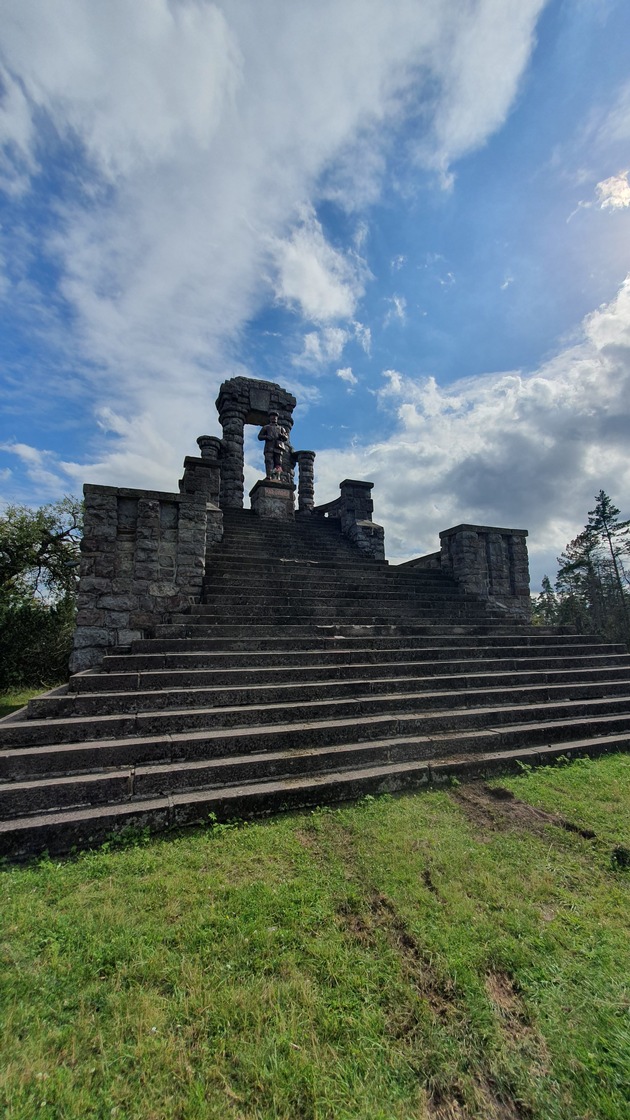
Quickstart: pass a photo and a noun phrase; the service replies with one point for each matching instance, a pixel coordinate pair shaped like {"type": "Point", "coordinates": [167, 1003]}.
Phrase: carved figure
{"type": "Point", "coordinates": [276, 444]}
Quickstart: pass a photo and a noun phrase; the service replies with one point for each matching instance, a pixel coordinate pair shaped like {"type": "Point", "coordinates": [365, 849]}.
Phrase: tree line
{"type": "Point", "coordinates": [592, 587]}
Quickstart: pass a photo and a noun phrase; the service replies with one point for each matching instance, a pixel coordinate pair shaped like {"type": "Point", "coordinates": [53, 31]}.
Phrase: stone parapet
{"type": "Point", "coordinates": [489, 561]}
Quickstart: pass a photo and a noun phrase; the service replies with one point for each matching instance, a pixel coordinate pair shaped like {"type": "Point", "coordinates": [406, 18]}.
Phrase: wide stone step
{"type": "Point", "coordinates": [427, 706]}
{"type": "Point", "coordinates": [77, 704]}
{"type": "Point", "coordinates": [492, 729]}
{"type": "Point", "coordinates": [567, 668]}
{"type": "Point", "coordinates": [265, 610]}
{"type": "Point", "coordinates": [149, 781]}
{"type": "Point", "coordinates": [274, 597]}
{"type": "Point", "coordinates": [333, 643]}
{"type": "Point", "coordinates": [60, 832]}
{"type": "Point", "coordinates": [378, 623]}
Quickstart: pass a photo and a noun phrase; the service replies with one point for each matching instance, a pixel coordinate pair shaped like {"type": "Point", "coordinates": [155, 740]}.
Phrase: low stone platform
{"type": "Point", "coordinates": [306, 674]}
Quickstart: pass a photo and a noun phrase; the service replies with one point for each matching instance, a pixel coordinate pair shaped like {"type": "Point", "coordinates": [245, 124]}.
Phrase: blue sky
{"type": "Point", "coordinates": [415, 214]}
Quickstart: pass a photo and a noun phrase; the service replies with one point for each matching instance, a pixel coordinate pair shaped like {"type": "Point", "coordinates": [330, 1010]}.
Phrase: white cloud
{"type": "Point", "coordinates": [321, 347]}
{"type": "Point", "coordinates": [615, 128]}
{"type": "Point", "coordinates": [189, 140]}
{"type": "Point", "coordinates": [363, 335]}
{"type": "Point", "coordinates": [325, 283]}
{"type": "Point", "coordinates": [523, 450]}
{"type": "Point", "coordinates": [614, 193]}
{"type": "Point", "coordinates": [348, 376]}
{"type": "Point", "coordinates": [17, 162]}
{"type": "Point", "coordinates": [42, 467]}
{"type": "Point", "coordinates": [486, 49]}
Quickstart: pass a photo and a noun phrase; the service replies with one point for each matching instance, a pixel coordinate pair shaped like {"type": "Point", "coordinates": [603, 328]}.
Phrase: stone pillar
{"type": "Point", "coordinates": [356, 507]}
{"type": "Point", "coordinates": [232, 477]}
{"type": "Point", "coordinates": [306, 484]}
{"type": "Point", "coordinates": [211, 448]}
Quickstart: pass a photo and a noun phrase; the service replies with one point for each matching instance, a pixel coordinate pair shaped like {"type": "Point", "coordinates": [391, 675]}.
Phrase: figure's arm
{"type": "Point", "coordinates": [262, 433]}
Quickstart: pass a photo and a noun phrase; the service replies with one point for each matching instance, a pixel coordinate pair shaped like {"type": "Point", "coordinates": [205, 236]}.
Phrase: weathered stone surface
{"type": "Point", "coordinates": [273, 500]}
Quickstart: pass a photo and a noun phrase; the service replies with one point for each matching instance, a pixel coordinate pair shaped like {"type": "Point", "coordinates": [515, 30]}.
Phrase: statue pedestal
{"type": "Point", "coordinates": [274, 500]}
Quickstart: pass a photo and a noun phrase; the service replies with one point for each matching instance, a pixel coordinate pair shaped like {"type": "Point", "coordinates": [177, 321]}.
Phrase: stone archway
{"type": "Point", "coordinates": [241, 401]}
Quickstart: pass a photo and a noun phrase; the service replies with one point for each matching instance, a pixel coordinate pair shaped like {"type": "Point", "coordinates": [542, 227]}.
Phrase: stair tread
{"type": "Point", "coordinates": [258, 790]}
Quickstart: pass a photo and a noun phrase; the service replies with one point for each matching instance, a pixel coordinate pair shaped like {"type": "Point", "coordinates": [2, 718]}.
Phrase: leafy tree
{"type": "Point", "coordinates": [39, 557]}
{"type": "Point", "coordinates": [39, 551]}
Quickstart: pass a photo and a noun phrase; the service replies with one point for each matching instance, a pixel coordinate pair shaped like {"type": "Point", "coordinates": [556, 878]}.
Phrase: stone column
{"type": "Point", "coordinates": [232, 477]}
{"type": "Point", "coordinates": [211, 448]}
{"type": "Point", "coordinates": [306, 485]}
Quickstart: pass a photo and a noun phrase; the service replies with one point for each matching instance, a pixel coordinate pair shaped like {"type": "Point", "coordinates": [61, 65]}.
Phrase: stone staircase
{"type": "Point", "coordinates": [306, 675]}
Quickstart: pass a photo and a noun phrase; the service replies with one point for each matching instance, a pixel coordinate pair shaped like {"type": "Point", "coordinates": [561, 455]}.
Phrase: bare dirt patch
{"type": "Point", "coordinates": [489, 1105]}
{"type": "Point", "coordinates": [496, 809]}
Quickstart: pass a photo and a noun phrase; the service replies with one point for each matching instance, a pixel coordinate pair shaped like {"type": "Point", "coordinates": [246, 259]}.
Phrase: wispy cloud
{"type": "Point", "coordinates": [189, 143]}
{"type": "Point", "coordinates": [397, 311]}
{"type": "Point", "coordinates": [324, 283]}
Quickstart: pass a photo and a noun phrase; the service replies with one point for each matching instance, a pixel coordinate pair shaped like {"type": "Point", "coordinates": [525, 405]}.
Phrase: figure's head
{"type": "Point", "coordinates": [273, 417]}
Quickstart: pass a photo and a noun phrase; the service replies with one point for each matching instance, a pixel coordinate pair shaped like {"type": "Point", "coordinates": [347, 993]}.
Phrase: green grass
{"type": "Point", "coordinates": [445, 955]}
{"type": "Point", "coordinates": [15, 698]}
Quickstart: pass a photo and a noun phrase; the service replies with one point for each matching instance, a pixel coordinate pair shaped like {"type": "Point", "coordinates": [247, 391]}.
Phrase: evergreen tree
{"type": "Point", "coordinates": [545, 605]}
{"type": "Point", "coordinates": [603, 521]}
{"type": "Point", "coordinates": [592, 583]}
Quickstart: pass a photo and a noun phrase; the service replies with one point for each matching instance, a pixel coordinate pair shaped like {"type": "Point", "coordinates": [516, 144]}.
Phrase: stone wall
{"type": "Point", "coordinates": [142, 556]}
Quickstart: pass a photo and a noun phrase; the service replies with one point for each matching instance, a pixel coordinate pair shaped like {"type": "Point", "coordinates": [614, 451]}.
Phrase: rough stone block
{"type": "Point", "coordinates": [90, 617]}
{"type": "Point", "coordinates": [92, 636]}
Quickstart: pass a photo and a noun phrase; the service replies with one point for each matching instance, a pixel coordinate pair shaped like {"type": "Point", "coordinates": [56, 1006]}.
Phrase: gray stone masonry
{"type": "Point", "coordinates": [273, 500]}
{"type": "Point", "coordinates": [306, 487]}
{"type": "Point", "coordinates": [144, 551]}
{"type": "Point", "coordinates": [143, 557]}
{"type": "Point", "coordinates": [486, 560]}
{"type": "Point", "coordinates": [354, 508]}
{"type": "Point", "coordinates": [489, 561]}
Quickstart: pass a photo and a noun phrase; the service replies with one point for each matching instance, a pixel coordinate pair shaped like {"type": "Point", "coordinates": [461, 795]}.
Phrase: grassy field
{"type": "Point", "coordinates": [449, 955]}
{"type": "Point", "coordinates": [16, 698]}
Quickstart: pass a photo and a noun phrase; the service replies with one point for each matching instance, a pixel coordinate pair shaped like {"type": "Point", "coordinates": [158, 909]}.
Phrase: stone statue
{"type": "Point", "coordinates": [276, 445]}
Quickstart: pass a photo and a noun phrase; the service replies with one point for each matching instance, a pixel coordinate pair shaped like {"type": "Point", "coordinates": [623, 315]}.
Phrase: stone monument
{"type": "Point", "coordinates": [145, 552]}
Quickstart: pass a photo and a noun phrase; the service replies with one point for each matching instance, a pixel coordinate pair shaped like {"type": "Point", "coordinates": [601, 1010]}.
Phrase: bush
{"type": "Point", "coordinates": [35, 642]}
